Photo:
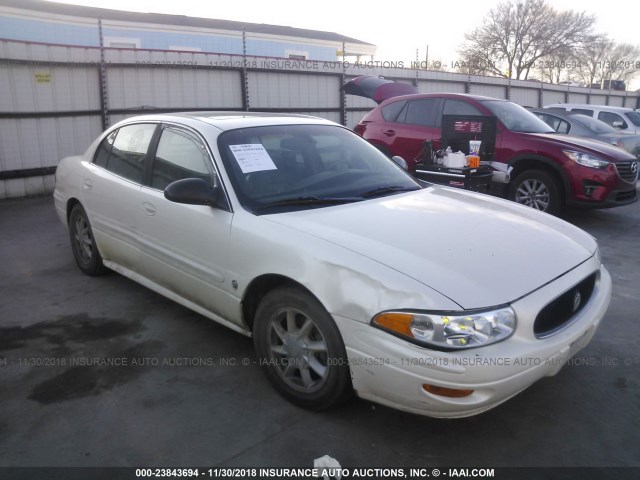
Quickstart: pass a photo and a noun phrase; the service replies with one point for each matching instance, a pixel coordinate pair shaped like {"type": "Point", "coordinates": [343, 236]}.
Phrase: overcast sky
{"type": "Point", "coordinates": [396, 27]}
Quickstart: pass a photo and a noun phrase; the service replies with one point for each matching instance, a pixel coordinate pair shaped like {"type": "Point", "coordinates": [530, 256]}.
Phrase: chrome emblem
{"type": "Point", "coordinates": [577, 299]}
{"type": "Point", "coordinates": [634, 167]}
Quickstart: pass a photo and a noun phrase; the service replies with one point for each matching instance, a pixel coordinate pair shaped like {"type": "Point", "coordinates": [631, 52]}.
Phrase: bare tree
{"type": "Point", "coordinates": [515, 36]}
{"type": "Point", "coordinates": [603, 59]}
{"type": "Point", "coordinates": [621, 63]}
{"type": "Point", "coordinates": [558, 66]}
{"type": "Point", "coordinates": [590, 58]}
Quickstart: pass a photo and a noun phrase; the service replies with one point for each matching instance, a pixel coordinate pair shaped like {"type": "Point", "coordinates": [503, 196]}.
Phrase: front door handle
{"type": "Point", "coordinates": [149, 208]}
{"type": "Point", "coordinates": [389, 133]}
{"type": "Point", "coordinates": [87, 184]}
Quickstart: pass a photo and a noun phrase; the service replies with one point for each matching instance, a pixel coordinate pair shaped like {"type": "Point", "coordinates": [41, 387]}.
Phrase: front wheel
{"type": "Point", "coordinates": [537, 189]}
{"type": "Point", "coordinates": [300, 349]}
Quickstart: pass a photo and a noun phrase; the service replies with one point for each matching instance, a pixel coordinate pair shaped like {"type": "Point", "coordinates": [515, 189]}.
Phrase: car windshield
{"type": "Point", "coordinates": [596, 126]}
{"type": "Point", "coordinates": [634, 117]}
{"type": "Point", "coordinates": [291, 167]}
{"type": "Point", "coordinates": [517, 118]}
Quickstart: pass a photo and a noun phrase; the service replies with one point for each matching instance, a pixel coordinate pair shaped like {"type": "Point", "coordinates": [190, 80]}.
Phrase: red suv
{"type": "Point", "coordinates": [549, 170]}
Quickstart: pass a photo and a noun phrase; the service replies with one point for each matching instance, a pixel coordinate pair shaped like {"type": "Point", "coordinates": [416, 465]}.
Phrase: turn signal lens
{"type": "Point", "coordinates": [396, 322]}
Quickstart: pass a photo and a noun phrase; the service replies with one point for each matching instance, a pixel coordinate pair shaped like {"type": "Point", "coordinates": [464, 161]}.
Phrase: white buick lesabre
{"type": "Point", "coordinates": [348, 273]}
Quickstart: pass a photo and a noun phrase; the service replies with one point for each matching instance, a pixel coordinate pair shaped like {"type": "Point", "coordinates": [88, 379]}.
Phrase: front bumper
{"type": "Point", "coordinates": [391, 371]}
{"type": "Point", "coordinates": [615, 198]}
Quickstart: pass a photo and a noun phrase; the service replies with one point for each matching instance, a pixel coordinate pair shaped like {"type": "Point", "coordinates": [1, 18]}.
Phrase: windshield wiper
{"type": "Point", "coordinates": [310, 200]}
{"type": "Point", "coordinates": [379, 191]}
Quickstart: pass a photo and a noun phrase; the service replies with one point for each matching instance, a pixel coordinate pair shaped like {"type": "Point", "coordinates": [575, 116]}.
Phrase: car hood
{"type": "Point", "coordinates": [595, 146]}
{"type": "Point", "coordinates": [477, 250]}
{"type": "Point", "coordinates": [631, 143]}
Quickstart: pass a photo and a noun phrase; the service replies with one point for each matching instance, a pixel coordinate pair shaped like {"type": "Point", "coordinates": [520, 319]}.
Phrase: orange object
{"type": "Point", "coordinates": [446, 392]}
{"type": "Point", "coordinates": [474, 161]}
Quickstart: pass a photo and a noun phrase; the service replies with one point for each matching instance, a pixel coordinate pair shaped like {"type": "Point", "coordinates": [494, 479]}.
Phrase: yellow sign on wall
{"type": "Point", "coordinates": [43, 77]}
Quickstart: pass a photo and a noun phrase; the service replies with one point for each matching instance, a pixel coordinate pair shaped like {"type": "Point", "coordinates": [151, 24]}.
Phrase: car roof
{"type": "Point", "coordinates": [230, 120]}
{"type": "Point", "coordinates": [414, 96]}
{"type": "Point", "coordinates": [551, 112]}
{"type": "Point", "coordinates": [586, 105]}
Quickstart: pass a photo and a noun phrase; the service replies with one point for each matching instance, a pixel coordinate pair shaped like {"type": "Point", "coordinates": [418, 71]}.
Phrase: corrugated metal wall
{"type": "Point", "coordinates": [53, 104]}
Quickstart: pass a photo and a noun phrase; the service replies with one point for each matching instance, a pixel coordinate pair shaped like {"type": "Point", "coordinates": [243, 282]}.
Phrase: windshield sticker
{"type": "Point", "coordinates": [252, 157]}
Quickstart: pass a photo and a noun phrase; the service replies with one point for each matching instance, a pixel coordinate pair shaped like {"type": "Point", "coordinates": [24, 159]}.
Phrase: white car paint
{"type": "Point", "coordinates": [432, 249]}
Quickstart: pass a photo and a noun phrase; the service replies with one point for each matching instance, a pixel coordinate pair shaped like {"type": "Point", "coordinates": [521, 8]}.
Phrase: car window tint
{"type": "Point", "coordinates": [634, 117]}
{"type": "Point", "coordinates": [548, 119]}
{"type": "Point", "coordinates": [179, 155]}
{"type": "Point", "coordinates": [559, 125]}
{"type": "Point", "coordinates": [562, 126]}
{"type": "Point", "coordinates": [612, 119]}
{"type": "Point", "coordinates": [588, 113]}
{"type": "Point", "coordinates": [127, 157]}
{"type": "Point", "coordinates": [104, 149]}
{"type": "Point", "coordinates": [456, 107]}
{"type": "Point", "coordinates": [422, 112]}
{"type": "Point", "coordinates": [390, 112]}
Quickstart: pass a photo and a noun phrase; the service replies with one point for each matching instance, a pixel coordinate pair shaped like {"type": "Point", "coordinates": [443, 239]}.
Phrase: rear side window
{"type": "Point", "coordinates": [124, 151]}
{"type": "Point", "coordinates": [422, 112]}
{"type": "Point", "coordinates": [457, 107]}
{"type": "Point", "coordinates": [582, 111]}
{"type": "Point", "coordinates": [104, 149]}
{"type": "Point", "coordinates": [390, 112]}
{"type": "Point", "coordinates": [179, 155]}
{"type": "Point", "coordinates": [612, 119]}
{"type": "Point", "coordinates": [559, 125]}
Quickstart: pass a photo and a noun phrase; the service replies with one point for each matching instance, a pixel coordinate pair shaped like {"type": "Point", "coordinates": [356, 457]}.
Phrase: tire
{"type": "Point", "coordinates": [288, 321]}
{"type": "Point", "coordinates": [537, 189]}
{"type": "Point", "coordinates": [83, 245]}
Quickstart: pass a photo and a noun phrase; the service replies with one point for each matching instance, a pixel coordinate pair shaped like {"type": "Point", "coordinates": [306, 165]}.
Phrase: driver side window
{"type": "Point", "coordinates": [179, 155]}
{"type": "Point", "coordinates": [612, 119]}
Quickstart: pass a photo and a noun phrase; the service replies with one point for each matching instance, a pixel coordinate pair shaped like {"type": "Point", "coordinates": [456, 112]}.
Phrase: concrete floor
{"type": "Point", "coordinates": [228, 415]}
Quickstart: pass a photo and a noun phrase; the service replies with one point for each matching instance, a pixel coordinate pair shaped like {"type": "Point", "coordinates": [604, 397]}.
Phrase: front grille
{"type": "Point", "coordinates": [628, 170]}
{"type": "Point", "coordinates": [564, 308]}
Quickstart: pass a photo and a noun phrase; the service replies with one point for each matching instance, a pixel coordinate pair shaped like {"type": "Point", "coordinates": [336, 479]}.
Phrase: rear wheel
{"type": "Point", "coordinates": [300, 349]}
{"type": "Point", "coordinates": [537, 189]}
{"type": "Point", "coordinates": [83, 244]}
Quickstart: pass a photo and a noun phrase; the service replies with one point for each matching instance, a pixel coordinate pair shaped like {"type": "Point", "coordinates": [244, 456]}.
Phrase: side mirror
{"type": "Point", "coordinates": [192, 191]}
{"type": "Point", "coordinates": [619, 125]}
{"type": "Point", "coordinates": [401, 162]}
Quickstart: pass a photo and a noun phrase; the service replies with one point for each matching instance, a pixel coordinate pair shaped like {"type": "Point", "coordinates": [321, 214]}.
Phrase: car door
{"type": "Point", "coordinates": [185, 248]}
{"type": "Point", "coordinates": [111, 189]}
{"type": "Point", "coordinates": [417, 122]}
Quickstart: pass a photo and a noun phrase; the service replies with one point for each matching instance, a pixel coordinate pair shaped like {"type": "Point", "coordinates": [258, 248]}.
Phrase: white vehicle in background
{"type": "Point", "coordinates": [348, 273]}
{"type": "Point", "coordinates": [625, 120]}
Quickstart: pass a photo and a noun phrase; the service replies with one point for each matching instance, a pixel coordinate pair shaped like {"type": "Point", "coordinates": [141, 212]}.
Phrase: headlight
{"type": "Point", "coordinates": [449, 330]}
{"type": "Point", "coordinates": [586, 159]}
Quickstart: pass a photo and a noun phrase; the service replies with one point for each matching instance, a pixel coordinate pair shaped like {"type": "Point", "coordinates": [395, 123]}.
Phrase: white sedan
{"type": "Point", "coordinates": [349, 274]}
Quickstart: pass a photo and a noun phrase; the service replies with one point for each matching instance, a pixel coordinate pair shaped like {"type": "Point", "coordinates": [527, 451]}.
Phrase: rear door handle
{"type": "Point", "coordinates": [389, 133]}
{"type": "Point", "coordinates": [149, 208]}
{"type": "Point", "coordinates": [87, 184]}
